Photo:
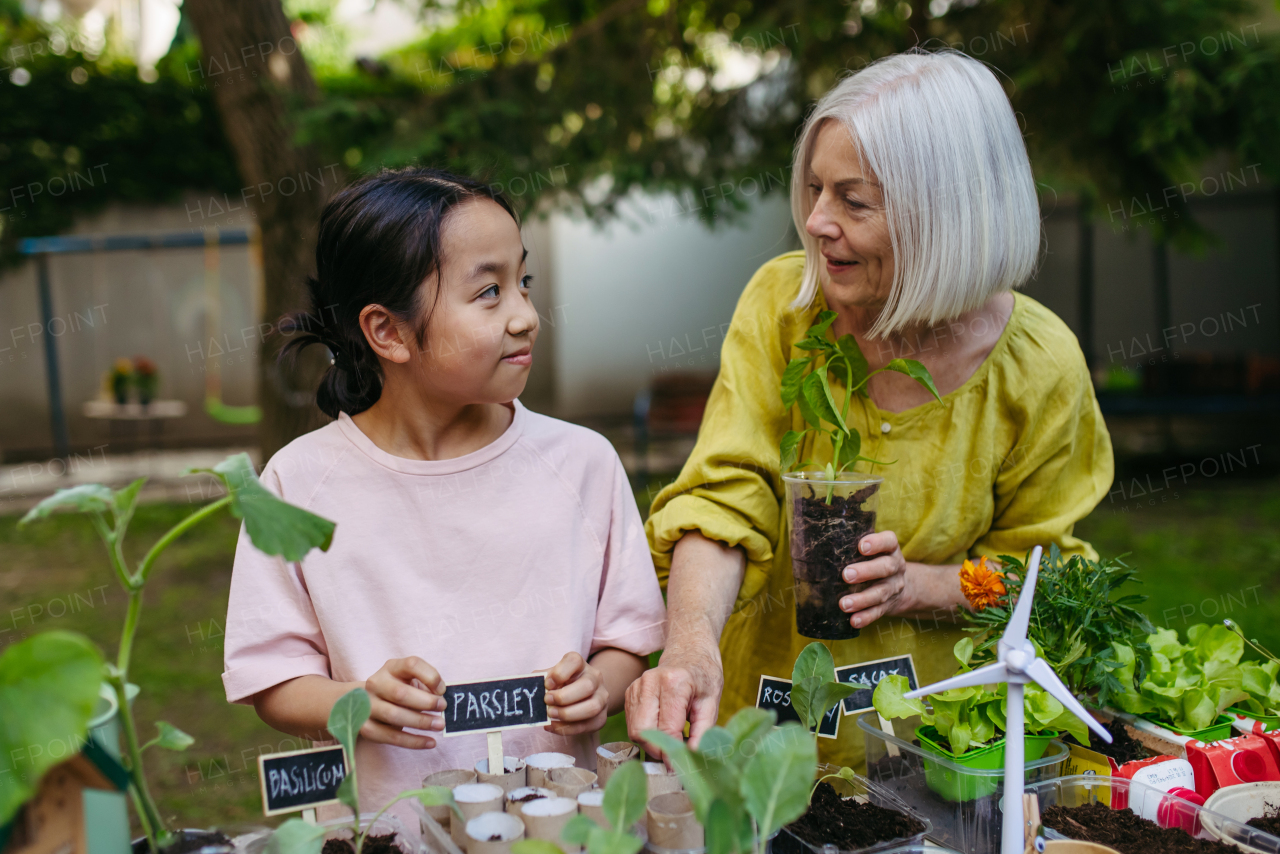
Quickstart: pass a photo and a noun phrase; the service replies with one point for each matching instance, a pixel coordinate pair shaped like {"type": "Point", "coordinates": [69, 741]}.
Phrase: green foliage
{"type": "Point", "coordinates": [814, 689]}
{"type": "Point", "coordinates": [48, 687]}
{"type": "Point", "coordinates": [1079, 611]}
{"type": "Point", "coordinates": [170, 738]}
{"type": "Point", "coordinates": [296, 836]}
{"type": "Point", "coordinates": [807, 383]}
{"type": "Point", "coordinates": [746, 779]}
{"type": "Point", "coordinates": [1188, 685]}
{"type": "Point", "coordinates": [625, 798]}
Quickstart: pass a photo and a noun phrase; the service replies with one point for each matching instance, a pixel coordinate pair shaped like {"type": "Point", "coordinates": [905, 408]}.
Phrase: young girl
{"type": "Point", "coordinates": [475, 539]}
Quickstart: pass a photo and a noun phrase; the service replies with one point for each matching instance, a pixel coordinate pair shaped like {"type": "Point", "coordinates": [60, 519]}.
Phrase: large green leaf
{"type": "Point", "coordinates": [170, 737]}
{"type": "Point", "coordinates": [48, 688]}
{"type": "Point", "coordinates": [436, 796]}
{"type": "Point", "coordinates": [602, 841]}
{"type": "Point", "coordinates": [848, 347]}
{"type": "Point", "coordinates": [688, 766]}
{"type": "Point", "coordinates": [823, 323]}
{"type": "Point", "coordinates": [86, 498]}
{"type": "Point", "coordinates": [916, 371]}
{"type": "Point", "coordinates": [275, 527]}
{"type": "Point", "coordinates": [827, 696]}
{"type": "Point", "coordinates": [814, 660]}
{"type": "Point", "coordinates": [850, 450]}
{"type": "Point", "coordinates": [787, 449]}
{"type": "Point", "coordinates": [578, 830]}
{"type": "Point", "coordinates": [728, 829]}
{"type": "Point", "coordinates": [803, 692]}
{"type": "Point", "coordinates": [817, 392]}
{"type": "Point", "coordinates": [626, 795]}
{"type": "Point", "coordinates": [791, 378]}
{"type": "Point", "coordinates": [346, 717]}
{"type": "Point", "coordinates": [296, 836]}
{"type": "Point", "coordinates": [889, 701]}
{"type": "Point", "coordinates": [536, 846]}
{"type": "Point", "coordinates": [776, 781]}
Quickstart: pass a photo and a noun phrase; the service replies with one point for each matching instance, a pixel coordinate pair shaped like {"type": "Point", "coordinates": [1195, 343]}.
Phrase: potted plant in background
{"type": "Point", "coordinates": [833, 508]}
{"type": "Point", "coordinates": [119, 379]}
{"type": "Point", "coordinates": [274, 526]}
{"type": "Point", "coordinates": [145, 379]}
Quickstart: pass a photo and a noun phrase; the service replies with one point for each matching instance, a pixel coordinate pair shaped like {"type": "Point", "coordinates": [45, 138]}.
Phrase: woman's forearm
{"type": "Point", "coordinates": [301, 706]}
{"type": "Point", "coordinates": [619, 669]}
{"type": "Point", "coordinates": [934, 592]}
{"type": "Point", "coordinates": [701, 590]}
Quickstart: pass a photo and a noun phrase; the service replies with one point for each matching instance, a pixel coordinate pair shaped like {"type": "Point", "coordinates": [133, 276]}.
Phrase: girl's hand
{"type": "Point", "coordinates": [398, 702]}
{"type": "Point", "coordinates": [888, 571]}
{"type": "Point", "coordinates": [577, 699]}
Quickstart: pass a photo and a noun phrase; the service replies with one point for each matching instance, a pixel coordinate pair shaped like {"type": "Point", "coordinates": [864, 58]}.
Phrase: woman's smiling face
{"type": "Point", "coordinates": [848, 220]}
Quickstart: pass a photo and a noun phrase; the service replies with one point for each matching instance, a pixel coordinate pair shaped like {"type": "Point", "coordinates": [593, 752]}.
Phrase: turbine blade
{"type": "Point", "coordinates": [1040, 671]}
{"type": "Point", "coordinates": [1016, 632]}
{"type": "Point", "coordinates": [986, 675]}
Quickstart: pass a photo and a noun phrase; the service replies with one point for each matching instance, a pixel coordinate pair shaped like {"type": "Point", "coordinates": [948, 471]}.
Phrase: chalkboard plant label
{"type": "Point", "coordinates": [491, 705]}
{"type": "Point", "coordinates": [775, 693]}
{"type": "Point", "coordinates": [865, 676]}
{"type": "Point", "coordinates": [301, 779]}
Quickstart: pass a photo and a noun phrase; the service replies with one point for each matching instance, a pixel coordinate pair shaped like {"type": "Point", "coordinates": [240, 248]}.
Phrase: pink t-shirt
{"type": "Point", "coordinates": [493, 564]}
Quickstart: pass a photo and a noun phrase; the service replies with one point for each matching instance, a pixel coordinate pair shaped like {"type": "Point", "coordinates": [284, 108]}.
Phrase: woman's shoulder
{"type": "Point", "coordinates": [774, 285]}
{"type": "Point", "coordinates": [1042, 355]}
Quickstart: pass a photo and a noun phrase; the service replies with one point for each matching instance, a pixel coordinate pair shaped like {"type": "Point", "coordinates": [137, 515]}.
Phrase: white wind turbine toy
{"type": "Point", "coordinates": [1017, 665]}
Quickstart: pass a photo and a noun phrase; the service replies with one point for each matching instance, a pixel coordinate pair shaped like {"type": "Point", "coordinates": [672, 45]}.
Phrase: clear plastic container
{"type": "Point", "coordinates": [898, 765]}
{"type": "Point", "coordinates": [340, 828]}
{"type": "Point", "coordinates": [863, 790]}
{"type": "Point", "coordinates": [1169, 810]}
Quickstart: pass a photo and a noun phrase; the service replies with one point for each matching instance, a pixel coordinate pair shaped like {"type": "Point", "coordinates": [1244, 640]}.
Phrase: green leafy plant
{"type": "Point", "coordinates": [274, 526]}
{"type": "Point", "coordinates": [48, 687]}
{"type": "Point", "coordinates": [814, 688]}
{"type": "Point", "coordinates": [1187, 686]}
{"type": "Point", "coordinates": [625, 798]}
{"type": "Point", "coordinates": [974, 717]}
{"type": "Point", "coordinates": [1258, 680]}
{"type": "Point", "coordinates": [348, 714]}
{"type": "Point", "coordinates": [747, 779]}
{"type": "Point", "coordinates": [1079, 612]}
{"type": "Point", "coordinates": [807, 383]}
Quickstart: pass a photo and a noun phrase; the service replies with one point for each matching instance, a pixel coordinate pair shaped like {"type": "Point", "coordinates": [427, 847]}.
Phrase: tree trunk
{"type": "Point", "coordinates": [256, 71]}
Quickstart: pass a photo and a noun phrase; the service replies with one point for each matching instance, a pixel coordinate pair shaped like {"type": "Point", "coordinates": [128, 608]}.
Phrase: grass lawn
{"type": "Point", "coordinates": [1209, 553]}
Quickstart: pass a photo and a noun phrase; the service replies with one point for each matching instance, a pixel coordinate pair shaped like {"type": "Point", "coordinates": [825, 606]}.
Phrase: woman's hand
{"type": "Point", "coordinates": [577, 699]}
{"type": "Point", "coordinates": [398, 702]}
{"type": "Point", "coordinates": [887, 571]}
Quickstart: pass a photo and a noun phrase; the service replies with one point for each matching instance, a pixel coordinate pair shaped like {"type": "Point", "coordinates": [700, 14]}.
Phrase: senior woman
{"type": "Point", "coordinates": [913, 195]}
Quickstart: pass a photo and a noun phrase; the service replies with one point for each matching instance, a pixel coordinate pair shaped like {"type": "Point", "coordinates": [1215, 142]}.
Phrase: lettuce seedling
{"type": "Point", "coordinates": [1188, 685]}
{"type": "Point", "coordinates": [807, 384]}
{"type": "Point", "coordinates": [275, 528]}
{"type": "Point", "coordinates": [297, 836]}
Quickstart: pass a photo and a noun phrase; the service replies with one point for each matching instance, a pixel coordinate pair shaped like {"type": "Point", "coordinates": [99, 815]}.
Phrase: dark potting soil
{"type": "Point", "coordinates": [1127, 832]}
{"type": "Point", "coordinates": [1123, 747]}
{"type": "Point", "coordinates": [972, 825]}
{"type": "Point", "coordinates": [824, 540]}
{"type": "Point", "coordinates": [1268, 823]}
{"type": "Point", "coordinates": [185, 841]}
{"type": "Point", "coordinates": [385, 844]}
{"type": "Point", "coordinates": [849, 825]}
{"type": "Point", "coordinates": [524, 799]}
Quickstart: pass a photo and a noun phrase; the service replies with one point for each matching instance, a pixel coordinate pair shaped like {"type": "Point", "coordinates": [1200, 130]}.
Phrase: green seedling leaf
{"type": "Point", "coordinates": [296, 836]}
{"type": "Point", "coordinates": [275, 527]}
{"type": "Point", "coordinates": [725, 829]}
{"type": "Point", "coordinates": [437, 796]}
{"type": "Point", "coordinates": [776, 781]}
{"type": "Point", "coordinates": [537, 846]}
{"type": "Point", "coordinates": [578, 830]}
{"type": "Point", "coordinates": [346, 717]}
{"type": "Point", "coordinates": [850, 450]}
{"type": "Point", "coordinates": [612, 842]}
{"type": "Point", "coordinates": [828, 695]}
{"type": "Point", "coordinates": [787, 449]}
{"type": "Point", "coordinates": [348, 793]}
{"type": "Point", "coordinates": [825, 319]}
{"type": "Point", "coordinates": [808, 413]}
{"type": "Point", "coordinates": [626, 795]}
{"type": "Point", "coordinates": [817, 394]}
{"type": "Point", "coordinates": [803, 692]}
{"type": "Point", "coordinates": [86, 498]}
{"type": "Point", "coordinates": [963, 651]}
{"type": "Point", "coordinates": [170, 738]}
{"type": "Point", "coordinates": [814, 660]}
{"type": "Point", "coordinates": [889, 701]}
{"type": "Point", "coordinates": [48, 688]}
{"type": "Point", "coordinates": [689, 767]}
{"type": "Point", "coordinates": [791, 379]}
{"type": "Point", "coordinates": [848, 347]}
{"type": "Point", "coordinates": [916, 371]}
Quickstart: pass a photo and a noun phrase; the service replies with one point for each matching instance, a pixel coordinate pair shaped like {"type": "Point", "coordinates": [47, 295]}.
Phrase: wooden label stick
{"type": "Point", "coordinates": [309, 816]}
{"type": "Point", "coordinates": [497, 763]}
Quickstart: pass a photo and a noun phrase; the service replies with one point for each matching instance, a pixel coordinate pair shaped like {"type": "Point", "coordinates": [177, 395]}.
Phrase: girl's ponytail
{"type": "Point", "coordinates": [378, 242]}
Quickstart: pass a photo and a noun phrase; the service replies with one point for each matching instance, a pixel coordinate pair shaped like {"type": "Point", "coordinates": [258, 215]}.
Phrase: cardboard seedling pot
{"type": "Point", "coordinates": [1241, 802]}
{"type": "Point", "coordinates": [482, 829]}
{"type": "Point", "coordinates": [539, 764]}
{"type": "Point", "coordinates": [515, 805]}
{"type": "Point", "coordinates": [473, 800]}
{"type": "Point", "coordinates": [672, 824]}
{"type": "Point", "coordinates": [449, 779]}
{"type": "Point", "coordinates": [610, 756]}
{"type": "Point", "coordinates": [570, 782]}
{"type": "Point", "coordinates": [591, 804]}
{"type": "Point", "coordinates": [546, 818]}
{"type": "Point", "coordinates": [514, 778]}
{"type": "Point", "coordinates": [661, 781]}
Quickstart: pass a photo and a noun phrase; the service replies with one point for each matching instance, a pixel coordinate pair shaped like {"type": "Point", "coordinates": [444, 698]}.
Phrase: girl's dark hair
{"type": "Point", "coordinates": [379, 239]}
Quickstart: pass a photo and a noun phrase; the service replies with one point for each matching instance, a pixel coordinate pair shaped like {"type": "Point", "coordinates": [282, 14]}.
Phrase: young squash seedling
{"type": "Point", "coordinates": [274, 526]}
{"type": "Point", "coordinates": [807, 383]}
{"type": "Point", "coordinates": [625, 798]}
{"type": "Point", "coordinates": [297, 836]}
{"type": "Point", "coordinates": [814, 687]}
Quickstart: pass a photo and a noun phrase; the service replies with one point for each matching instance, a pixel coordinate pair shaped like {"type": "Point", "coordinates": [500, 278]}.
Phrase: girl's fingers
{"type": "Point", "coordinates": [575, 692]}
{"type": "Point", "coordinates": [383, 734]}
{"type": "Point", "coordinates": [565, 671]}
{"type": "Point", "coordinates": [393, 715]}
{"type": "Point", "coordinates": [385, 686]}
{"type": "Point", "coordinates": [579, 728]}
{"type": "Point", "coordinates": [406, 669]}
{"type": "Point", "coordinates": [881, 542]}
{"type": "Point", "coordinates": [589, 709]}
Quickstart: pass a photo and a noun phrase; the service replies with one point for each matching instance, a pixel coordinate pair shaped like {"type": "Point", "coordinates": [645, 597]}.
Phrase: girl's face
{"type": "Point", "coordinates": [479, 342]}
{"type": "Point", "coordinates": [848, 220]}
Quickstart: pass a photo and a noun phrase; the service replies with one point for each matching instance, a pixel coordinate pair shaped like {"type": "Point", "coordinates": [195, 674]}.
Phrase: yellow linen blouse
{"type": "Point", "coordinates": [1013, 458]}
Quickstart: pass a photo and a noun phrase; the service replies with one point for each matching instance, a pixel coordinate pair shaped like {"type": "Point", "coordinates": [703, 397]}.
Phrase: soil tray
{"type": "Point", "coordinates": [856, 816]}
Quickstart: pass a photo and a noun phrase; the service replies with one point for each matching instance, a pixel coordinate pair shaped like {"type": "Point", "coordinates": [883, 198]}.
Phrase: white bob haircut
{"type": "Point", "coordinates": [939, 134]}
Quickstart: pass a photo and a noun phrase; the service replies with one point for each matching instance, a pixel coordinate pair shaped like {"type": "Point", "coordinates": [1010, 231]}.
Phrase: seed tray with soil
{"type": "Point", "coordinates": [824, 540]}
{"type": "Point", "coordinates": [385, 844]}
{"type": "Point", "coordinates": [1269, 823]}
{"type": "Point", "coordinates": [847, 823]}
{"type": "Point", "coordinates": [1127, 832]}
{"type": "Point", "coordinates": [1123, 747]}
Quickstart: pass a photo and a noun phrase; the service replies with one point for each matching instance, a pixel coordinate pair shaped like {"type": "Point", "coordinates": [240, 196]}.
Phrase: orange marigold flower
{"type": "Point", "coordinates": [981, 585]}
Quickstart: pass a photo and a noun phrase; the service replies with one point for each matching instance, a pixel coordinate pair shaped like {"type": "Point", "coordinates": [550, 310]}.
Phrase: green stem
{"type": "Point", "coordinates": [378, 815]}
{"type": "Point", "coordinates": [176, 531]}
{"type": "Point", "coordinates": [148, 813]}
{"type": "Point", "coordinates": [113, 550]}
